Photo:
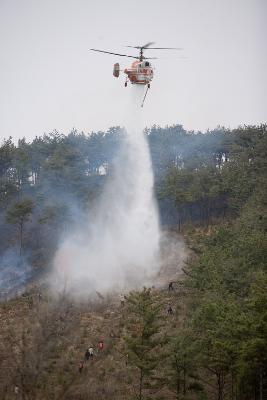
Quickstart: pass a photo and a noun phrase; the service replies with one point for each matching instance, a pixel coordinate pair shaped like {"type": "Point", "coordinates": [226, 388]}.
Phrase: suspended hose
{"type": "Point", "coordinates": [142, 105]}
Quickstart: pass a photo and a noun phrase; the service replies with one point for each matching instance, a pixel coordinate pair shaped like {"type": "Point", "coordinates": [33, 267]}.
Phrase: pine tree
{"type": "Point", "coordinates": [142, 336]}
{"type": "Point", "coordinates": [18, 214]}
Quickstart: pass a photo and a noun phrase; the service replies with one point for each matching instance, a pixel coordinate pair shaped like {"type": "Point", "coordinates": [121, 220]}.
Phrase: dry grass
{"type": "Point", "coordinates": [43, 340]}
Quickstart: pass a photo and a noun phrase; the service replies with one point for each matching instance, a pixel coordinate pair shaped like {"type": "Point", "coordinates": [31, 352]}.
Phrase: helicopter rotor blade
{"type": "Point", "coordinates": [116, 54]}
{"type": "Point", "coordinates": [142, 47]}
{"type": "Point", "coordinates": [165, 48]}
{"type": "Point", "coordinates": [147, 45]}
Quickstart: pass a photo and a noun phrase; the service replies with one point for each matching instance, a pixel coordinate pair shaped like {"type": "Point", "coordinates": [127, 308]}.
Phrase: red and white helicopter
{"type": "Point", "coordinates": [141, 71]}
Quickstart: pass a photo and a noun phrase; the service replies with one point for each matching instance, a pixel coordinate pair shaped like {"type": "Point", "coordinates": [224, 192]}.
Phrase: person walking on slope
{"type": "Point", "coordinates": [122, 300]}
{"type": "Point", "coordinates": [100, 345]}
{"type": "Point", "coordinates": [87, 355]}
{"type": "Point", "coordinates": [81, 367]}
{"type": "Point", "coordinates": [171, 286]}
{"type": "Point", "coordinates": [169, 309]}
{"type": "Point", "coordinates": [91, 351]}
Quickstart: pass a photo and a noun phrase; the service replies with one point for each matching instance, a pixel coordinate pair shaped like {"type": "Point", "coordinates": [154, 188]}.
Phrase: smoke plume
{"type": "Point", "coordinates": [115, 247]}
{"type": "Point", "coordinates": [15, 272]}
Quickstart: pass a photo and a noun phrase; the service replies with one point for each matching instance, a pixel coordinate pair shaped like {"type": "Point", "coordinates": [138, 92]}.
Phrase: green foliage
{"type": "Point", "coordinates": [19, 212]}
{"type": "Point", "coordinates": [213, 184]}
{"type": "Point", "coordinates": [181, 373]}
{"type": "Point", "coordinates": [142, 337]}
{"type": "Point", "coordinates": [228, 302]}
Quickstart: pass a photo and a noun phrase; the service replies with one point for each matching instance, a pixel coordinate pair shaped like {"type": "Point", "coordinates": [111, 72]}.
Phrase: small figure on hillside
{"type": "Point", "coordinates": [16, 390]}
{"type": "Point", "coordinates": [87, 355]}
{"type": "Point", "coordinates": [80, 367]}
{"type": "Point", "coordinates": [91, 351]}
{"type": "Point", "coordinates": [112, 334]}
{"type": "Point", "coordinates": [122, 299]}
{"type": "Point", "coordinates": [169, 309]}
{"type": "Point", "coordinates": [171, 286]}
{"type": "Point", "coordinates": [127, 359]}
{"type": "Point", "coordinates": [30, 302]}
{"type": "Point", "coordinates": [100, 345]}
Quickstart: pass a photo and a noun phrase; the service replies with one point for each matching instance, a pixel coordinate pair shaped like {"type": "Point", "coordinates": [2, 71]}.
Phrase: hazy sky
{"type": "Point", "coordinates": [50, 80]}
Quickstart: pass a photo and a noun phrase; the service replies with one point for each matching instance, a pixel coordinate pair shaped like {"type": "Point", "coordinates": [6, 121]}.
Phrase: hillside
{"type": "Point", "coordinates": [211, 190]}
{"type": "Point", "coordinates": [43, 339]}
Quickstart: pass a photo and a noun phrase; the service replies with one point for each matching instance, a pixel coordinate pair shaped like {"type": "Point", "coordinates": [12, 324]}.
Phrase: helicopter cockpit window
{"type": "Point", "coordinates": [147, 64]}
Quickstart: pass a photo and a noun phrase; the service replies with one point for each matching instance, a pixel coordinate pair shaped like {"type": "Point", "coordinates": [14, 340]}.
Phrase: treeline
{"type": "Point", "coordinates": [198, 178]}
{"type": "Point", "coordinates": [42, 185]}
{"type": "Point", "coordinates": [220, 174]}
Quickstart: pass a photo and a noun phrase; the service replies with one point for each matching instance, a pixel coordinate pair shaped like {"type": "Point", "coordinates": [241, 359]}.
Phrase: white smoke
{"type": "Point", "coordinates": [117, 247]}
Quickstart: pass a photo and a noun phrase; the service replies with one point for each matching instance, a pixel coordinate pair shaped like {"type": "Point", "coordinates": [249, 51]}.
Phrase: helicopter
{"type": "Point", "coordinates": [141, 71]}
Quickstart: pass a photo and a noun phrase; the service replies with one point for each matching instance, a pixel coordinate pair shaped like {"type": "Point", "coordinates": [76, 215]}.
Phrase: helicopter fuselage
{"type": "Point", "coordinates": [140, 72]}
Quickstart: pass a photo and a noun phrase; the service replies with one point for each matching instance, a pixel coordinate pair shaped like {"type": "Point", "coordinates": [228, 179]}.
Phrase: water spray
{"type": "Point", "coordinates": [117, 248]}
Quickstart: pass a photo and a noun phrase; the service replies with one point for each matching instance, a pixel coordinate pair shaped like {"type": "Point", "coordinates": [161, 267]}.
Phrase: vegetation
{"type": "Point", "coordinates": [18, 214]}
{"type": "Point", "coordinates": [212, 188]}
{"type": "Point", "coordinates": [141, 339]}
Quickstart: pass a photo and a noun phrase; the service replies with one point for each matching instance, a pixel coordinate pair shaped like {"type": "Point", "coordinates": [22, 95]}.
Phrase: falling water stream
{"type": "Point", "coordinates": [117, 248]}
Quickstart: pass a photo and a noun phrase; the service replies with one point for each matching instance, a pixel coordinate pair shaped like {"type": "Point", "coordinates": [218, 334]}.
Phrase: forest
{"type": "Point", "coordinates": [211, 188]}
